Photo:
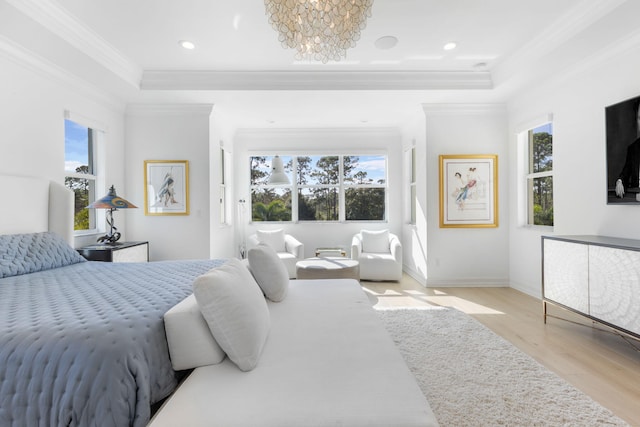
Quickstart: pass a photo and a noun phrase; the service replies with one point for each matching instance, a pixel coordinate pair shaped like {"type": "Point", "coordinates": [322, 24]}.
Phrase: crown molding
{"type": "Point", "coordinates": [314, 80]}
{"type": "Point", "coordinates": [616, 48]}
{"type": "Point", "coordinates": [38, 65]}
{"type": "Point", "coordinates": [464, 108]}
{"type": "Point", "coordinates": [289, 131]}
{"type": "Point", "coordinates": [52, 16]}
{"type": "Point", "coordinates": [559, 32]}
{"type": "Point", "coordinates": [169, 109]}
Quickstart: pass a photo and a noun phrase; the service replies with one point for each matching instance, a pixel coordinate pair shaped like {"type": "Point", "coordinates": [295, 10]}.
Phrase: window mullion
{"type": "Point", "coordinates": [294, 190]}
{"type": "Point", "coordinates": [81, 176]}
{"type": "Point", "coordinates": [341, 197]}
{"type": "Point", "coordinates": [540, 174]}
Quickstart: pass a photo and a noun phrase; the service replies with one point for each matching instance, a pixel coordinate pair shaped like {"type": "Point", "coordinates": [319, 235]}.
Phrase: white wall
{"type": "Point", "coordinates": [466, 256]}
{"type": "Point", "coordinates": [577, 101]}
{"type": "Point", "coordinates": [34, 96]}
{"type": "Point", "coordinates": [321, 141]}
{"type": "Point", "coordinates": [170, 132]}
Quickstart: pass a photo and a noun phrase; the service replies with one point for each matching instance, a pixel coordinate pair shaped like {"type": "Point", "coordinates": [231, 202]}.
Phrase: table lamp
{"type": "Point", "coordinates": [111, 202]}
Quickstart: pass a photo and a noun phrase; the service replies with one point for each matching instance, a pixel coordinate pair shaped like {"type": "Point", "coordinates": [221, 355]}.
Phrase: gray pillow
{"type": "Point", "coordinates": [235, 310]}
{"type": "Point", "coordinates": [269, 271]}
{"type": "Point", "coordinates": [32, 252]}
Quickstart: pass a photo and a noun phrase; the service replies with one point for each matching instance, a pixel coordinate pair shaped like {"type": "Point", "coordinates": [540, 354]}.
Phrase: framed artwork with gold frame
{"type": "Point", "coordinates": [468, 190]}
{"type": "Point", "coordinates": [166, 187]}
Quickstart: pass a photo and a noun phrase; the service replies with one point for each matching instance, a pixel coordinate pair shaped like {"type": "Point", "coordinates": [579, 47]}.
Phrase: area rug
{"type": "Point", "coordinates": [473, 377]}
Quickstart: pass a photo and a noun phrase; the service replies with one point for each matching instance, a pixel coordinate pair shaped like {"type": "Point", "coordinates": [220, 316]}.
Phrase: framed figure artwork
{"type": "Point", "coordinates": [468, 190]}
{"type": "Point", "coordinates": [623, 152]}
{"type": "Point", "coordinates": [166, 187]}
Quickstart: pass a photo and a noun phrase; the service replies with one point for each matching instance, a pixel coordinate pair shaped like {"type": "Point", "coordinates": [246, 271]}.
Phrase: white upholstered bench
{"type": "Point", "coordinates": [328, 360]}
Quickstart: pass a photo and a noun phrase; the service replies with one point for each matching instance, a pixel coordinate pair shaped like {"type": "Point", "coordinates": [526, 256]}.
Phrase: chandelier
{"type": "Point", "coordinates": [321, 30]}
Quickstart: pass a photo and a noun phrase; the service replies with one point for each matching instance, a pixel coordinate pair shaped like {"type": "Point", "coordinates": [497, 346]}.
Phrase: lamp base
{"type": "Point", "coordinates": [113, 235]}
{"type": "Point", "coordinates": [110, 239]}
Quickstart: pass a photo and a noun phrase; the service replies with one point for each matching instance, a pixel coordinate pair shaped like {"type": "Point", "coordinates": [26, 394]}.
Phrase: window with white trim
{"type": "Point", "coordinates": [537, 148]}
{"type": "Point", "coordinates": [79, 171]}
{"type": "Point", "coordinates": [323, 188]}
{"type": "Point", "coordinates": [365, 188]}
{"type": "Point", "coordinates": [81, 174]}
{"type": "Point", "coordinates": [269, 202]}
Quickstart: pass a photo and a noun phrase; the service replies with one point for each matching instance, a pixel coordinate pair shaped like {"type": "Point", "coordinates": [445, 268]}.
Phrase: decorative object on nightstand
{"type": "Point", "coordinates": [122, 252]}
{"type": "Point", "coordinates": [111, 202]}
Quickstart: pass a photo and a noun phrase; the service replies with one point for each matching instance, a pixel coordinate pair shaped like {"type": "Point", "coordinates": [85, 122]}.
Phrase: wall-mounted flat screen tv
{"type": "Point", "coordinates": [623, 152]}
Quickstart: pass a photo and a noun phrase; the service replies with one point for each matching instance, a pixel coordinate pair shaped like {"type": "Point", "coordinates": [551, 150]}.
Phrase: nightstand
{"type": "Point", "coordinates": [122, 252]}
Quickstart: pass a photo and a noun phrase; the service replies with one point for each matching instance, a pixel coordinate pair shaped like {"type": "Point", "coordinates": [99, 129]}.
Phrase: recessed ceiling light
{"type": "Point", "coordinates": [187, 44]}
{"type": "Point", "coordinates": [386, 42]}
{"type": "Point", "coordinates": [450, 46]}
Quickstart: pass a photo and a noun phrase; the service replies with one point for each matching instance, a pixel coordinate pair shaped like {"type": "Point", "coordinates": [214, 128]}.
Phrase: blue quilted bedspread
{"type": "Point", "coordinates": [84, 344]}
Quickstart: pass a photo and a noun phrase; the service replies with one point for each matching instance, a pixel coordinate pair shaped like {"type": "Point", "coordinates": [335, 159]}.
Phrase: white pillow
{"type": "Point", "coordinates": [233, 305]}
{"type": "Point", "coordinates": [273, 238]}
{"type": "Point", "coordinates": [375, 241]}
{"type": "Point", "coordinates": [269, 271]}
{"type": "Point", "coordinates": [191, 343]}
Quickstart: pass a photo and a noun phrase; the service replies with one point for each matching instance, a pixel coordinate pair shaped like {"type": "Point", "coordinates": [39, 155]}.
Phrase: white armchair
{"type": "Point", "coordinates": [288, 248]}
{"type": "Point", "coordinates": [379, 254]}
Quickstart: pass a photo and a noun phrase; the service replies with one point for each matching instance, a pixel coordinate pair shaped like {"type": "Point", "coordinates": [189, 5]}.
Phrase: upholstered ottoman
{"type": "Point", "coordinates": [328, 268]}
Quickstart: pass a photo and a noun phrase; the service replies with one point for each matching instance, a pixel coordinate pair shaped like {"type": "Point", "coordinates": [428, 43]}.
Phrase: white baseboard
{"type": "Point", "coordinates": [468, 283]}
{"type": "Point", "coordinates": [418, 277]}
{"type": "Point", "coordinates": [535, 291]}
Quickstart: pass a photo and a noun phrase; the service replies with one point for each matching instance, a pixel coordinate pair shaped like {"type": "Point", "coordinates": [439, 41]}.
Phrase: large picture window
{"type": "Point", "coordinates": [323, 188]}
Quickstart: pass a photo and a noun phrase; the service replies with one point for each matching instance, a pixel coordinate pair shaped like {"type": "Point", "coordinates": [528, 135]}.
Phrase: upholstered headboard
{"type": "Point", "coordinates": [31, 205]}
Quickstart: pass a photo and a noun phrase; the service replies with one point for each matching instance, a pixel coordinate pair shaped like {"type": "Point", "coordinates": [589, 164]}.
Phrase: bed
{"type": "Point", "coordinates": [81, 342]}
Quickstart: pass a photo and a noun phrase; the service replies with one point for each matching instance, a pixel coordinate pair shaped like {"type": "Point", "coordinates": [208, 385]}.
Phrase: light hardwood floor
{"type": "Point", "coordinates": [602, 364]}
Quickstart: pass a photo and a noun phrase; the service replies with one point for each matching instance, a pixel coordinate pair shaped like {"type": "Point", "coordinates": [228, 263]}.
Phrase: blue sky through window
{"type": "Point", "coordinates": [76, 146]}
{"type": "Point", "coordinates": [374, 166]}
{"type": "Point", "coordinates": [545, 128]}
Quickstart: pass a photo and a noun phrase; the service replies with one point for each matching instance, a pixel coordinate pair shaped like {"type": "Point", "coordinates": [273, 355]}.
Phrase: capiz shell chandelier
{"type": "Point", "coordinates": [321, 30]}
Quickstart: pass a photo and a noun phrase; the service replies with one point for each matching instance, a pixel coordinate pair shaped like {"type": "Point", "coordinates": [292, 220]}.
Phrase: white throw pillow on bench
{"type": "Point", "coordinates": [190, 341]}
{"type": "Point", "coordinates": [234, 307]}
{"type": "Point", "coordinates": [269, 271]}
